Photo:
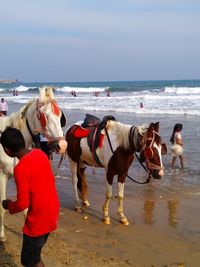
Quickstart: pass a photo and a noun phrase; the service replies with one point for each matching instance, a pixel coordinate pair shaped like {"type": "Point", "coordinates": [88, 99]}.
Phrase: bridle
{"type": "Point", "coordinates": [149, 152]}
{"type": "Point", "coordinates": [43, 120]}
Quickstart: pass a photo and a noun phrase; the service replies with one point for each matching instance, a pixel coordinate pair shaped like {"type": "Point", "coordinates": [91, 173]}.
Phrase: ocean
{"type": "Point", "coordinates": [157, 97]}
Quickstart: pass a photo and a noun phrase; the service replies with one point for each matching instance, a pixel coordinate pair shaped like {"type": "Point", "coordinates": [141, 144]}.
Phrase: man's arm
{"type": "Point", "coordinates": [22, 201]}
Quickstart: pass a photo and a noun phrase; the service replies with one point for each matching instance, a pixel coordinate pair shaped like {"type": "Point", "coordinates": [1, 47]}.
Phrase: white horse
{"type": "Point", "coordinates": [40, 115]}
{"type": "Point", "coordinates": [113, 150]}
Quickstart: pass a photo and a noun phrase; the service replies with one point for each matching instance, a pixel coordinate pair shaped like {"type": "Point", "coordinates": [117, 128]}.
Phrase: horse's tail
{"type": "Point", "coordinates": [82, 181]}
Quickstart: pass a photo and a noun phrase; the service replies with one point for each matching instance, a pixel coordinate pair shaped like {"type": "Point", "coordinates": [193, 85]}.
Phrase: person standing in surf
{"type": "Point", "coordinates": [177, 145]}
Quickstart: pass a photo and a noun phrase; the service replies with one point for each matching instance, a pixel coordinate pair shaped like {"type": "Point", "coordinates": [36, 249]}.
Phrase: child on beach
{"type": "Point", "coordinates": [36, 191]}
{"type": "Point", "coordinates": [177, 144]}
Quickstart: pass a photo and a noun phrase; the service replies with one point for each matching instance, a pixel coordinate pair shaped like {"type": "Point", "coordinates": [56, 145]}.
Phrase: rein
{"type": "Point", "coordinates": [135, 181]}
{"type": "Point", "coordinates": [35, 138]}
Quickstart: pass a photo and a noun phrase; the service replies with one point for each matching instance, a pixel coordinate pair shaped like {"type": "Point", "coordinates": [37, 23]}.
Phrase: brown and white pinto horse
{"type": "Point", "coordinates": [118, 144]}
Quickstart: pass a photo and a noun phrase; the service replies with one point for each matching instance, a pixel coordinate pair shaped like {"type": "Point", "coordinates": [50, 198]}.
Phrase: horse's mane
{"type": "Point", "coordinates": [122, 132]}
{"type": "Point", "coordinates": [17, 119]}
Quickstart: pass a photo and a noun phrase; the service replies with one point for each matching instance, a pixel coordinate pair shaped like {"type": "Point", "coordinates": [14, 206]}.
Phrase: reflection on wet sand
{"type": "Point", "coordinates": [172, 208]}
{"type": "Point", "coordinates": [149, 207]}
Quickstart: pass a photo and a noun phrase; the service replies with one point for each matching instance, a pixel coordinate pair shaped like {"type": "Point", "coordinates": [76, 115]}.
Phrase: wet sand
{"type": "Point", "coordinates": [162, 232]}
{"type": "Point", "coordinates": [164, 221]}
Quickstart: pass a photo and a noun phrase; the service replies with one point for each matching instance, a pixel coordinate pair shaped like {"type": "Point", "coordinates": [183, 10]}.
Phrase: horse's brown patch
{"type": "Point", "coordinates": [73, 149]}
{"type": "Point", "coordinates": [119, 164]}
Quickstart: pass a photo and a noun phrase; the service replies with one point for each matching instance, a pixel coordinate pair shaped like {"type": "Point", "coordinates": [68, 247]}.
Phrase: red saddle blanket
{"type": "Point", "coordinates": [81, 132]}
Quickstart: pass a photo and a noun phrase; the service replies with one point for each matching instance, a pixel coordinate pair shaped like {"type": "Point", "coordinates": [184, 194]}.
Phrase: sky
{"type": "Point", "coordinates": [99, 40]}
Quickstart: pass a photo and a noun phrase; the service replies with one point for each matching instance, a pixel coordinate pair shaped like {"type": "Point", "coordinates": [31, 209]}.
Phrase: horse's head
{"type": "Point", "coordinates": [45, 116]}
{"type": "Point", "coordinates": [152, 150]}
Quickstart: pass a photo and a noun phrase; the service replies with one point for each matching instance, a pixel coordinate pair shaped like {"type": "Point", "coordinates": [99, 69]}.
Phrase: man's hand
{"type": "Point", "coordinates": [5, 204]}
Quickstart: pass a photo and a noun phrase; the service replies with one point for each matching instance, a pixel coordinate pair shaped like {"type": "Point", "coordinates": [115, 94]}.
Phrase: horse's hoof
{"type": "Point", "coordinates": [86, 203]}
{"type": "Point", "coordinates": [124, 221]}
{"type": "Point", "coordinates": [2, 240]}
{"type": "Point", "coordinates": [78, 209]}
{"type": "Point", "coordinates": [106, 220]}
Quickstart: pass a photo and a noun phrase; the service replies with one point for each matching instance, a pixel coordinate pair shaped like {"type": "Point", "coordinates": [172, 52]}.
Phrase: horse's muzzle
{"type": "Point", "coordinates": [58, 146]}
{"type": "Point", "coordinates": [157, 174]}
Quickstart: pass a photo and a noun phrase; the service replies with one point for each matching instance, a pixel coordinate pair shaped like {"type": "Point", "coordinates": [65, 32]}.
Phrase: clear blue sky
{"type": "Point", "coordinates": [99, 40]}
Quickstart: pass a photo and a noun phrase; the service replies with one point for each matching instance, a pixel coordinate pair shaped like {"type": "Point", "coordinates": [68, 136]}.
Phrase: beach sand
{"type": "Point", "coordinates": [155, 237]}
{"type": "Point", "coordinates": [164, 219]}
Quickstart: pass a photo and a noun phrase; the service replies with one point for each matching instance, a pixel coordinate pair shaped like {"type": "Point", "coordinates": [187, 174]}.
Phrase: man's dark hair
{"type": "Point", "coordinates": [12, 139]}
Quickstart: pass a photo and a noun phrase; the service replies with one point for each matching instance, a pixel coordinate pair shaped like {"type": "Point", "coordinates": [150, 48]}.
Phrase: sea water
{"type": "Point", "coordinates": [157, 97]}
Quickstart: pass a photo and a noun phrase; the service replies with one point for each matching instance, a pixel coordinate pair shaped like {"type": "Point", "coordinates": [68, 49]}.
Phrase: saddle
{"type": "Point", "coordinates": [91, 128]}
{"type": "Point", "coordinates": [90, 121]}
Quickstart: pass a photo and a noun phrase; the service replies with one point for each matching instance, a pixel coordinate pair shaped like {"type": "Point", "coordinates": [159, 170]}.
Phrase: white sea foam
{"type": "Point", "coordinates": [81, 89]}
{"type": "Point", "coordinates": [22, 88]}
{"type": "Point", "coordinates": [182, 90]}
{"type": "Point", "coordinates": [171, 100]}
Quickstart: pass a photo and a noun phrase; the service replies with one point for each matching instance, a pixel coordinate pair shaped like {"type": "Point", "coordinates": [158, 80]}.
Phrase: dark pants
{"type": "Point", "coordinates": [31, 249]}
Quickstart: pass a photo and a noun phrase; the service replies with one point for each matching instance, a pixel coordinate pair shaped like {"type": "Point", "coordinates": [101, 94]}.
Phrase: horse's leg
{"type": "Point", "coordinates": [73, 166]}
{"type": "Point", "coordinates": [3, 181]}
{"type": "Point", "coordinates": [127, 159]}
{"type": "Point", "coordinates": [123, 218]}
{"type": "Point", "coordinates": [110, 176]}
{"type": "Point", "coordinates": [106, 217]}
{"type": "Point", "coordinates": [82, 184]}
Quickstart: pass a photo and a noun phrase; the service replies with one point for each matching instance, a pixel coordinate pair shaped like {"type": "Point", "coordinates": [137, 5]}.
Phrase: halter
{"type": "Point", "coordinates": [43, 119]}
{"type": "Point", "coordinates": [148, 153]}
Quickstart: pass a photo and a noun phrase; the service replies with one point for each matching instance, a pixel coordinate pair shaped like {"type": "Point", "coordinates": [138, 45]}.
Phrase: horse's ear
{"type": "Point", "coordinates": [46, 94]}
{"type": "Point", "coordinates": [157, 126]}
{"type": "Point", "coordinates": [49, 93]}
{"type": "Point", "coordinates": [42, 94]}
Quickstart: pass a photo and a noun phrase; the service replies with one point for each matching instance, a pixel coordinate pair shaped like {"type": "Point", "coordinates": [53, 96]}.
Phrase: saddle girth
{"type": "Point", "coordinates": [94, 137]}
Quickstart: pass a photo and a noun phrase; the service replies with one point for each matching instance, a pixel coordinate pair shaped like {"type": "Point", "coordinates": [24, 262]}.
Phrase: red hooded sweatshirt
{"type": "Point", "coordinates": [36, 191]}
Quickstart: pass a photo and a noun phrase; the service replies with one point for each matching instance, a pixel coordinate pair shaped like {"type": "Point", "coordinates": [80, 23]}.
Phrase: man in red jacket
{"type": "Point", "coordinates": [36, 191]}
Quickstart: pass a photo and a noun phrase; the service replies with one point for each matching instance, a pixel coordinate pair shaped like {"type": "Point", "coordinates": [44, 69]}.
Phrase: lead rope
{"type": "Point", "coordinates": [137, 182]}
{"type": "Point", "coordinates": [59, 164]}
